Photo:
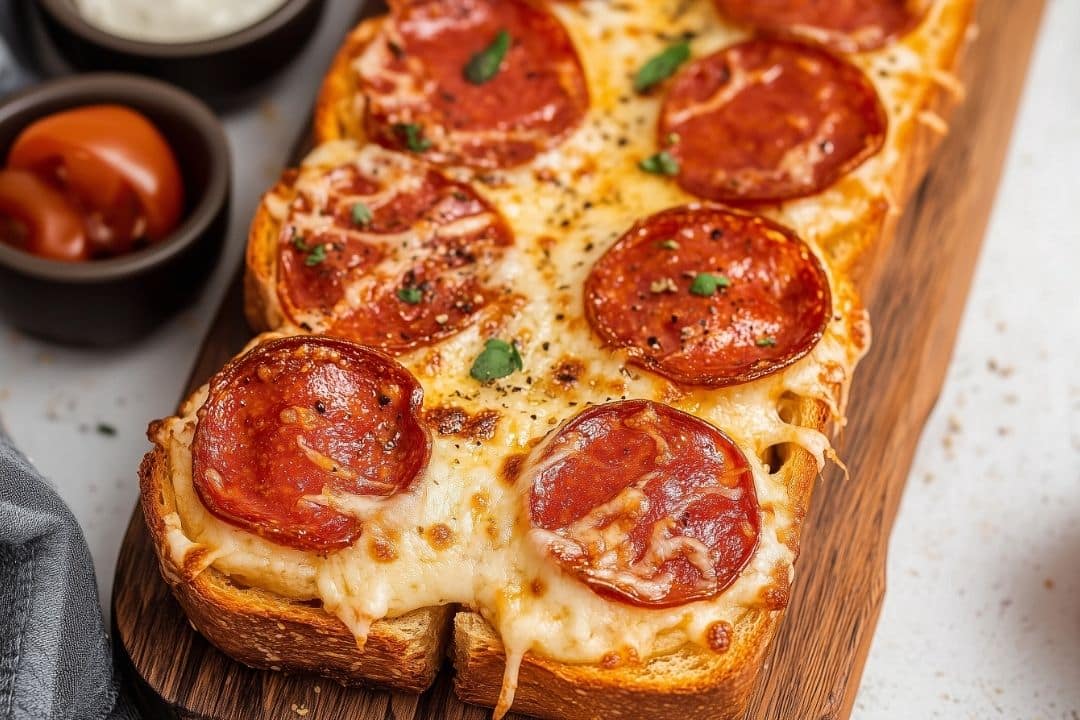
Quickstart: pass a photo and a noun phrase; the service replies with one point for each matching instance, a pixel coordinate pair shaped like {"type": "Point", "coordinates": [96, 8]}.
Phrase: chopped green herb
{"type": "Point", "coordinates": [484, 65]}
{"type": "Point", "coordinates": [668, 245]}
{"type": "Point", "coordinates": [298, 242]}
{"type": "Point", "coordinates": [105, 429]}
{"type": "Point", "coordinates": [361, 214]}
{"type": "Point", "coordinates": [766, 342]}
{"type": "Point", "coordinates": [662, 163]}
{"type": "Point", "coordinates": [411, 295]}
{"type": "Point", "coordinates": [661, 66]}
{"type": "Point", "coordinates": [316, 256]}
{"type": "Point", "coordinates": [413, 136]}
{"type": "Point", "coordinates": [498, 359]}
{"type": "Point", "coordinates": [706, 284]}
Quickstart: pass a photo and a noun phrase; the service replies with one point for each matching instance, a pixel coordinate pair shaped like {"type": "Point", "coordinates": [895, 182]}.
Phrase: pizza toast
{"type": "Point", "coordinates": [262, 627]}
{"type": "Point", "coordinates": [490, 267]}
{"type": "Point", "coordinates": [688, 682]}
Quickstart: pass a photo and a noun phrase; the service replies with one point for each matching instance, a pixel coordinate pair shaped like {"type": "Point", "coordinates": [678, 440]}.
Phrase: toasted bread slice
{"type": "Point", "coordinates": [926, 98]}
{"type": "Point", "coordinates": [692, 682]}
{"type": "Point", "coordinates": [266, 630]}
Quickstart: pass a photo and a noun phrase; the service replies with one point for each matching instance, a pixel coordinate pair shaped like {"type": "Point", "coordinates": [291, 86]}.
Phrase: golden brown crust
{"type": "Point", "coordinates": [689, 683]}
{"type": "Point", "coordinates": [265, 630]}
{"type": "Point", "coordinates": [337, 116]}
{"type": "Point", "coordinates": [261, 306]}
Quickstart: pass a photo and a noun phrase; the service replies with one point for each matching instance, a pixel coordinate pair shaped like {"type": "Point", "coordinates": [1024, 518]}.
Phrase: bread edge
{"type": "Point", "coordinates": [334, 118]}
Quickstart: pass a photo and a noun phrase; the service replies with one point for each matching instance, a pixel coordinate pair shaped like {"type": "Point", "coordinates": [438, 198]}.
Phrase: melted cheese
{"type": "Point", "coordinates": [566, 208]}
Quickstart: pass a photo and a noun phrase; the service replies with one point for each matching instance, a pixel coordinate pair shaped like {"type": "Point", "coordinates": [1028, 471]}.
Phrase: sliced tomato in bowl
{"type": "Point", "coordinates": [40, 219]}
{"type": "Point", "coordinates": [114, 165]}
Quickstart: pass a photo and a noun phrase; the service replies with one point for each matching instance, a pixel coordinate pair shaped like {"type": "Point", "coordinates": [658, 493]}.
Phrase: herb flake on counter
{"type": "Point", "coordinates": [484, 65]}
{"type": "Point", "coordinates": [661, 66]}
{"type": "Point", "coordinates": [105, 429]}
{"type": "Point", "coordinates": [497, 360]}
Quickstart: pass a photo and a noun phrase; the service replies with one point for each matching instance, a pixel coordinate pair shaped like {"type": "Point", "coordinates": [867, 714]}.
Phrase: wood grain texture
{"type": "Point", "coordinates": [914, 282]}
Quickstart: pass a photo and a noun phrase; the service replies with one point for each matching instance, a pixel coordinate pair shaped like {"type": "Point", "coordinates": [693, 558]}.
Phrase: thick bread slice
{"type": "Point", "coordinates": [265, 630]}
{"type": "Point", "coordinates": [339, 115]}
{"type": "Point", "coordinates": [692, 682]}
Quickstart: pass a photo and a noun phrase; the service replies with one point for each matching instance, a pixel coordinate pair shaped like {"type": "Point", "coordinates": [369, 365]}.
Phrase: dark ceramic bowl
{"type": "Point", "coordinates": [224, 70]}
{"type": "Point", "coordinates": [107, 302]}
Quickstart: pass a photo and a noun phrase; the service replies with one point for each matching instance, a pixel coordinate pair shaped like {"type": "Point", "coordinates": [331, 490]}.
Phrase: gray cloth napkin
{"type": "Point", "coordinates": [55, 657]}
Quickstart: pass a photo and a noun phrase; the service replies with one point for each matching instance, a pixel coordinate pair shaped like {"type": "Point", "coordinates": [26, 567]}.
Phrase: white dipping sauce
{"type": "Point", "coordinates": [174, 21]}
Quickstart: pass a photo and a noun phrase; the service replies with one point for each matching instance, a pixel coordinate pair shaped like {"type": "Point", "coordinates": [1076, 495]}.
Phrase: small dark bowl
{"type": "Point", "coordinates": [225, 70]}
{"type": "Point", "coordinates": [107, 302]}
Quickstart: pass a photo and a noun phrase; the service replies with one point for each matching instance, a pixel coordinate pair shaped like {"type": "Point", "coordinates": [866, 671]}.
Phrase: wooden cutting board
{"type": "Point", "coordinates": [915, 284]}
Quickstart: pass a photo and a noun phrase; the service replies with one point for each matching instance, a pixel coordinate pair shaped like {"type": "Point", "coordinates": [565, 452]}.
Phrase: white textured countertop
{"type": "Point", "coordinates": [982, 615]}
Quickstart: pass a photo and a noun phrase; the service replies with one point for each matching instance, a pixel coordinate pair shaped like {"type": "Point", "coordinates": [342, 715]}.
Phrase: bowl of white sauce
{"type": "Point", "coordinates": [222, 50]}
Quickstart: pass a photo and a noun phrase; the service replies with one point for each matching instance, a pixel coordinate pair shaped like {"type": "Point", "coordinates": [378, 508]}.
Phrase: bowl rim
{"type": "Point", "coordinates": [64, 12]}
{"type": "Point", "coordinates": [103, 88]}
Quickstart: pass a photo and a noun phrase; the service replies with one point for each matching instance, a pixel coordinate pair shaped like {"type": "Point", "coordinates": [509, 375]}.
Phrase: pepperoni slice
{"type": "Point", "coordinates": [679, 520]}
{"type": "Point", "coordinates": [708, 296]}
{"type": "Point", "coordinates": [419, 98]}
{"type": "Point", "coordinates": [296, 421]}
{"type": "Point", "coordinates": [844, 25]}
{"type": "Point", "coordinates": [769, 120]}
{"type": "Point", "coordinates": [388, 252]}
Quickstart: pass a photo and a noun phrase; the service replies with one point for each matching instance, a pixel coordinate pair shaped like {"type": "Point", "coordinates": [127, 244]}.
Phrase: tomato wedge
{"type": "Point", "coordinates": [114, 164]}
{"type": "Point", "coordinates": [45, 223]}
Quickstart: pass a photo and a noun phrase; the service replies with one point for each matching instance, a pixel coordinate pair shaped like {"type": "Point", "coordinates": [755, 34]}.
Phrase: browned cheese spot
{"type": "Point", "coordinates": [776, 594]}
{"type": "Point", "coordinates": [439, 536]}
{"type": "Point", "coordinates": [511, 468]}
{"type": "Point", "coordinates": [568, 372]}
{"type": "Point", "coordinates": [719, 636]}
{"type": "Point", "coordinates": [455, 421]}
{"type": "Point", "coordinates": [383, 547]}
